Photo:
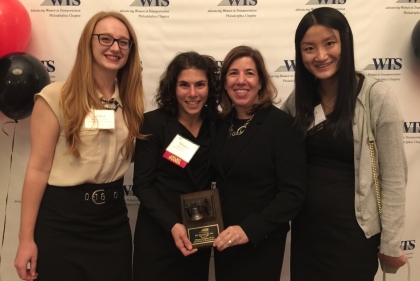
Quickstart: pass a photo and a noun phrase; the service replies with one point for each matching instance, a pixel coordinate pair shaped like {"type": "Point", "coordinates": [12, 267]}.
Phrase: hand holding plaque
{"type": "Point", "coordinates": [202, 217]}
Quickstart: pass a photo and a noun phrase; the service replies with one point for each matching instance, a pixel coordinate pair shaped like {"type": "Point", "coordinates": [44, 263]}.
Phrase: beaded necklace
{"type": "Point", "coordinates": [108, 104]}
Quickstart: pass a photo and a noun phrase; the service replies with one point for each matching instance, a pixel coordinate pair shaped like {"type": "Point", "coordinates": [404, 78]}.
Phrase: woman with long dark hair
{"type": "Point", "coordinates": [337, 233]}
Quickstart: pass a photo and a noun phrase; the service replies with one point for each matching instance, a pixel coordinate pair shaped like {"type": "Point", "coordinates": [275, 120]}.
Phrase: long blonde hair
{"type": "Point", "coordinates": [79, 93]}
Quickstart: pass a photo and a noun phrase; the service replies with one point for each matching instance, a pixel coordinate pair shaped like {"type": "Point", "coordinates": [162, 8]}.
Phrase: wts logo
{"type": "Point", "coordinates": [326, 2]}
{"type": "Point", "coordinates": [411, 127]}
{"type": "Point", "coordinates": [408, 245]}
{"type": "Point", "coordinates": [385, 64]}
{"type": "Point", "coordinates": [407, 1]}
{"type": "Point", "coordinates": [238, 3]}
{"type": "Point", "coordinates": [289, 66]}
{"type": "Point", "coordinates": [61, 3]}
{"type": "Point", "coordinates": [128, 190]}
{"type": "Point", "coordinates": [151, 3]}
{"type": "Point", "coordinates": [49, 65]}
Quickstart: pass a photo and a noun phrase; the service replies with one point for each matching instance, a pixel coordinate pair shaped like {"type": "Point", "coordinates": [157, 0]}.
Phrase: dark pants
{"type": "Point", "coordinates": [152, 267]}
{"type": "Point", "coordinates": [246, 263]}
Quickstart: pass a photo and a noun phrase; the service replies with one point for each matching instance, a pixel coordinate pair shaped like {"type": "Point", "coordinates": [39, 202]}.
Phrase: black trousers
{"type": "Point", "coordinates": [80, 240]}
{"type": "Point", "coordinates": [154, 267]}
{"type": "Point", "coordinates": [246, 263]}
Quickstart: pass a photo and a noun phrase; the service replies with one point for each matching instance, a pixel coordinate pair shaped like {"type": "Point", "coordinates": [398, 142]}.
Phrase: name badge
{"type": "Point", "coordinates": [100, 119]}
{"type": "Point", "coordinates": [319, 116]}
{"type": "Point", "coordinates": [180, 151]}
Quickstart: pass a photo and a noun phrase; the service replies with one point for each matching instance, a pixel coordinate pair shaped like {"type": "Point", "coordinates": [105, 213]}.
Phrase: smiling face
{"type": "Point", "coordinates": [192, 90]}
{"type": "Point", "coordinates": [109, 58]}
{"type": "Point", "coordinates": [321, 51]}
{"type": "Point", "coordinates": [242, 84]}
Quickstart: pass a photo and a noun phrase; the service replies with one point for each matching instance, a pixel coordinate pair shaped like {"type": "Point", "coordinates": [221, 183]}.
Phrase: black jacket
{"type": "Point", "coordinates": [158, 184]}
{"type": "Point", "coordinates": [263, 185]}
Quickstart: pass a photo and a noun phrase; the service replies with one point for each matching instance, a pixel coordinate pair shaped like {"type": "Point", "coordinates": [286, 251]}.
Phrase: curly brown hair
{"type": "Point", "coordinates": [166, 93]}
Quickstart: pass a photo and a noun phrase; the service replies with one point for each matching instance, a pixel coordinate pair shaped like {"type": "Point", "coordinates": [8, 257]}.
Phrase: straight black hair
{"type": "Point", "coordinates": [306, 84]}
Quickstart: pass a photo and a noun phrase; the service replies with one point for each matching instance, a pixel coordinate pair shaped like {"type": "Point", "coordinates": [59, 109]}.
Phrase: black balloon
{"type": "Point", "coordinates": [415, 40]}
{"type": "Point", "coordinates": [21, 77]}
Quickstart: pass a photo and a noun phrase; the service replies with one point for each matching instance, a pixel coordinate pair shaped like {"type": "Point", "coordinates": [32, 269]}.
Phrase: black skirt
{"type": "Point", "coordinates": [327, 242]}
{"type": "Point", "coordinates": [81, 237]}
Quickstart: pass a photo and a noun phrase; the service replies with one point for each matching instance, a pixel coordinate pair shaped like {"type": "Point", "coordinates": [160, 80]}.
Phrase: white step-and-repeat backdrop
{"type": "Point", "coordinates": [382, 30]}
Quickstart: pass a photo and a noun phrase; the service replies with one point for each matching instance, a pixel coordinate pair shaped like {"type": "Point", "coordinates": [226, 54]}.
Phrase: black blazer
{"type": "Point", "coordinates": [264, 185]}
{"type": "Point", "coordinates": [158, 184]}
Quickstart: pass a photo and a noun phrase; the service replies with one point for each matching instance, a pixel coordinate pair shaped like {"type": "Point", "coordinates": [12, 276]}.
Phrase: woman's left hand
{"type": "Point", "coordinates": [394, 262]}
{"type": "Point", "coordinates": [231, 236]}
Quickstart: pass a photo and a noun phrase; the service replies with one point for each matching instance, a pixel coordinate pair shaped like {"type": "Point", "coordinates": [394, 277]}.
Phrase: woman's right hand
{"type": "Point", "coordinates": [179, 233]}
{"type": "Point", "coordinates": [27, 253]}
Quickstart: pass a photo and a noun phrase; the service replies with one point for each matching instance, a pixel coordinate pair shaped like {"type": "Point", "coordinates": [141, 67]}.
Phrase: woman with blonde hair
{"type": "Point", "coordinates": [74, 223]}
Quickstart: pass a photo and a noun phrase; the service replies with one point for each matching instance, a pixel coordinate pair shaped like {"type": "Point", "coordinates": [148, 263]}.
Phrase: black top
{"type": "Point", "coordinates": [158, 183]}
{"type": "Point", "coordinates": [199, 162]}
{"type": "Point", "coordinates": [261, 174]}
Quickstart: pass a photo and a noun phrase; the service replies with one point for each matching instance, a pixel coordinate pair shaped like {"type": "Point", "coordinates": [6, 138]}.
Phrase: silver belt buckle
{"type": "Point", "coordinates": [95, 197]}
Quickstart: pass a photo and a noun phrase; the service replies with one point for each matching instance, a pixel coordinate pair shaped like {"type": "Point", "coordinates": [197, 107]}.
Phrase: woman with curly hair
{"type": "Point", "coordinates": [187, 98]}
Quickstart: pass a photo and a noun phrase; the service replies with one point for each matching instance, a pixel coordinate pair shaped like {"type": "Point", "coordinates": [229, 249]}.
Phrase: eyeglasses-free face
{"type": "Point", "coordinates": [242, 85]}
{"type": "Point", "coordinates": [321, 52]}
{"type": "Point", "coordinates": [106, 40]}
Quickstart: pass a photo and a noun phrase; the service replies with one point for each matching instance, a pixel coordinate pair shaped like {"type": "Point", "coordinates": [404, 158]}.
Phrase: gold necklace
{"type": "Point", "coordinates": [106, 104]}
{"type": "Point", "coordinates": [240, 130]}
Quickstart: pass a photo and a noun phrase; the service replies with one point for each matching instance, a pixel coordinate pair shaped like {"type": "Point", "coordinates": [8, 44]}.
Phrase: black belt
{"type": "Point", "coordinates": [101, 196]}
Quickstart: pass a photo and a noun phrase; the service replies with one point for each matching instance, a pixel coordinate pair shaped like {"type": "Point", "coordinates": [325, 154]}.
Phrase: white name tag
{"type": "Point", "coordinates": [100, 119]}
{"type": "Point", "coordinates": [180, 151]}
{"type": "Point", "coordinates": [319, 116]}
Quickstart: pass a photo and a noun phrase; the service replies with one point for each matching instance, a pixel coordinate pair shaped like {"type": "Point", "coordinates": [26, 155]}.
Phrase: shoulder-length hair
{"type": "Point", "coordinates": [166, 93]}
{"type": "Point", "coordinates": [268, 91]}
{"type": "Point", "coordinates": [79, 93]}
{"type": "Point", "coordinates": [306, 84]}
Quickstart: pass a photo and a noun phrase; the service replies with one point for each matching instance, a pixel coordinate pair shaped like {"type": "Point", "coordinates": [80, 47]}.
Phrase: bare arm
{"type": "Point", "coordinates": [44, 134]}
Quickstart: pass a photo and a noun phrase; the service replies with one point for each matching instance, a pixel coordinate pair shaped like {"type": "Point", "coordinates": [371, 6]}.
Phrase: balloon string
{"type": "Point", "coordinates": [8, 182]}
{"type": "Point", "coordinates": [8, 122]}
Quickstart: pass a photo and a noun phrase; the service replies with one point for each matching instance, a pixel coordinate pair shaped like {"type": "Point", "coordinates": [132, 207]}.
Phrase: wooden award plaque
{"type": "Point", "coordinates": [202, 217]}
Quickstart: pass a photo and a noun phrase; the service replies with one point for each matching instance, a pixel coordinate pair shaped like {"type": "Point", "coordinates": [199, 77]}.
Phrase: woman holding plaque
{"type": "Point", "coordinates": [74, 223]}
{"type": "Point", "coordinates": [187, 98]}
{"type": "Point", "coordinates": [259, 158]}
{"type": "Point", "coordinates": [337, 233]}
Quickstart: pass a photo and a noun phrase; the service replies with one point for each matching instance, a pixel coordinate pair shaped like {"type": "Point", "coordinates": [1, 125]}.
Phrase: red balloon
{"type": "Point", "coordinates": [15, 27]}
